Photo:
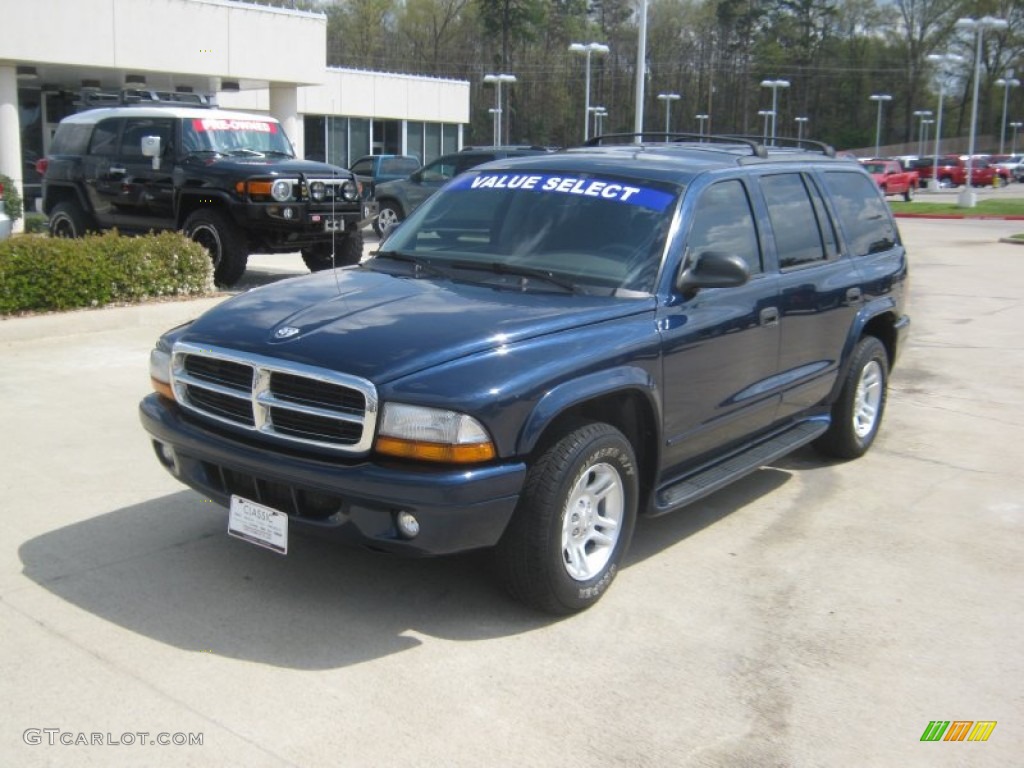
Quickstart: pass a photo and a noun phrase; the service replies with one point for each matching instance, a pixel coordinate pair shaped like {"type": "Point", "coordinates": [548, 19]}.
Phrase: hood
{"type": "Point", "coordinates": [270, 166]}
{"type": "Point", "coordinates": [383, 327]}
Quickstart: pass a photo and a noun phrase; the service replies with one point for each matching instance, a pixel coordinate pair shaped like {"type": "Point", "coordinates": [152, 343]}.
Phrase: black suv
{"type": "Point", "coordinates": [544, 350]}
{"type": "Point", "coordinates": [229, 180]}
{"type": "Point", "coordinates": [400, 197]}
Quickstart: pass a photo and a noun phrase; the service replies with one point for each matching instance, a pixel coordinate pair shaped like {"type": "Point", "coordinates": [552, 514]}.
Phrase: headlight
{"type": "Point", "coordinates": [432, 434]}
{"type": "Point", "coordinates": [281, 190]}
{"type": "Point", "coordinates": [349, 190]}
{"type": "Point", "coordinates": [317, 190]}
{"type": "Point", "coordinates": [160, 370]}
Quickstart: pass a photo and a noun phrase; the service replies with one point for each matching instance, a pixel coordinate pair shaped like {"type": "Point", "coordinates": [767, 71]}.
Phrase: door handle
{"type": "Point", "coordinates": [769, 316]}
{"type": "Point", "coordinates": [122, 171]}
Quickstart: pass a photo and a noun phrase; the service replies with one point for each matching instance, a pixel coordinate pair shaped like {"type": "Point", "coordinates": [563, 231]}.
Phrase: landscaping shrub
{"type": "Point", "coordinates": [36, 223]}
{"type": "Point", "coordinates": [43, 273]}
{"type": "Point", "coordinates": [12, 200]}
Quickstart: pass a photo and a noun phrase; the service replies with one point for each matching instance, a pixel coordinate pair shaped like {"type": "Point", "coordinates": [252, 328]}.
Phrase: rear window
{"type": "Point", "coordinates": [399, 166]}
{"type": "Point", "coordinates": [71, 139]}
{"type": "Point", "coordinates": [863, 214]}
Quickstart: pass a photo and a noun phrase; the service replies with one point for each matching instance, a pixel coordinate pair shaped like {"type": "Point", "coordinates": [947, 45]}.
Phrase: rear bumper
{"type": "Point", "coordinates": [458, 509]}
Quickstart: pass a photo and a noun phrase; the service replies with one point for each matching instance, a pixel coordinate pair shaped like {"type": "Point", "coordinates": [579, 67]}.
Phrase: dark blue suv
{"type": "Point", "coordinates": [546, 349]}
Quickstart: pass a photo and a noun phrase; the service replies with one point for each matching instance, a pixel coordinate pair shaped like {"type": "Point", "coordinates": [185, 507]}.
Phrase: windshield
{"type": "Point", "coordinates": [241, 137]}
{"type": "Point", "coordinates": [599, 233]}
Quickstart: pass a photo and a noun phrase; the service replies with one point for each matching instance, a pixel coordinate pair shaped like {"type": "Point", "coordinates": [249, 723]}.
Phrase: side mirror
{"type": "Point", "coordinates": [713, 269]}
{"type": "Point", "coordinates": [151, 148]}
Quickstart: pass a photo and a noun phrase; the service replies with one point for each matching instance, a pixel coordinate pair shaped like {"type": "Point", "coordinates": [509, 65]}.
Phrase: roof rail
{"type": "Point", "coordinates": [756, 148]}
{"type": "Point", "coordinates": [90, 98]}
{"type": "Point", "coordinates": [789, 142]}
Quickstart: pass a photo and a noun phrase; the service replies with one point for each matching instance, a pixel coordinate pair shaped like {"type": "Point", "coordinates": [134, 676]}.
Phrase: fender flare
{"type": "Point", "coordinates": [576, 391]}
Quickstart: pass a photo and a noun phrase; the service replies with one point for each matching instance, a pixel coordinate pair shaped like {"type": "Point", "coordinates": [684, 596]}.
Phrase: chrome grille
{"type": "Point", "coordinates": [295, 403]}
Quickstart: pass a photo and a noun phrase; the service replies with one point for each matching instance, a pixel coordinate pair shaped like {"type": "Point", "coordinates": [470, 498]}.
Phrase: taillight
{"type": "Point", "coordinates": [41, 165]}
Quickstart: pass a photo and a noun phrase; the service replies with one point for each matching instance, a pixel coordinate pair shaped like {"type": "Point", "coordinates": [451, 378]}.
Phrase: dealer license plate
{"type": "Point", "coordinates": [258, 524]}
{"type": "Point", "coordinates": [334, 225]}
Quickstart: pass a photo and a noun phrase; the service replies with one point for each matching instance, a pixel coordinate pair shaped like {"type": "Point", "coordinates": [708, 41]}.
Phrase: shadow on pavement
{"type": "Point", "coordinates": [167, 570]}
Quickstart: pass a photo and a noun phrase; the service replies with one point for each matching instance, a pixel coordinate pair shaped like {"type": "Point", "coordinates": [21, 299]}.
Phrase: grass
{"type": "Point", "coordinates": [983, 208]}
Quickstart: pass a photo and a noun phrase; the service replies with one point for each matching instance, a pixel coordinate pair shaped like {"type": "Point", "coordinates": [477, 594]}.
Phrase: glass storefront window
{"type": "Point", "coordinates": [414, 140]}
{"type": "Point", "coordinates": [337, 141]}
{"type": "Point", "coordinates": [432, 145]}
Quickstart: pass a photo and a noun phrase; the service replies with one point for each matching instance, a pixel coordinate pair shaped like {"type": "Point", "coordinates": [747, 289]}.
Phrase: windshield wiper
{"type": "Point", "coordinates": [502, 268]}
{"type": "Point", "coordinates": [245, 152]}
{"type": "Point", "coordinates": [204, 152]}
{"type": "Point", "coordinates": [420, 264]}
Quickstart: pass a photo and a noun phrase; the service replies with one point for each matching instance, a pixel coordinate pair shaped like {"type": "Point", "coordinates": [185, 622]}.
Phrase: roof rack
{"type": "Point", "coordinates": [756, 143]}
{"type": "Point", "coordinates": [90, 98]}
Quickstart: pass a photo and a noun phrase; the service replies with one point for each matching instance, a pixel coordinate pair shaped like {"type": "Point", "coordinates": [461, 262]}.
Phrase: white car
{"type": "Point", "coordinates": [5, 221]}
{"type": "Point", "coordinates": [1014, 164]}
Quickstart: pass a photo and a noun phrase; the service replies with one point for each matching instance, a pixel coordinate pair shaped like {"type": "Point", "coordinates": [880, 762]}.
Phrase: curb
{"type": "Point", "coordinates": [950, 216]}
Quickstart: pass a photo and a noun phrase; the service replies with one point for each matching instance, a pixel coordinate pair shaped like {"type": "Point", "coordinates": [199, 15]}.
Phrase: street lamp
{"type": "Point", "coordinates": [599, 113]}
{"type": "Point", "coordinates": [1016, 127]}
{"type": "Point", "coordinates": [766, 114]}
{"type": "Point", "coordinates": [497, 80]}
{"type": "Point", "coordinates": [941, 59]}
{"type": "Point", "coordinates": [967, 198]}
{"type": "Point", "coordinates": [880, 98]}
{"type": "Point", "coordinates": [921, 114]}
{"type": "Point", "coordinates": [800, 127]}
{"type": "Point", "coordinates": [668, 98]}
{"type": "Point", "coordinates": [588, 49]}
{"type": "Point", "coordinates": [1006, 83]}
{"type": "Point", "coordinates": [774, 85]}
{"type": "Point", "coordinates": [702, 119]}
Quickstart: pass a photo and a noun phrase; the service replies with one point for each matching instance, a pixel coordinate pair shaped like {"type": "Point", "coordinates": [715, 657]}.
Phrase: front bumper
{"type": "Point", "coordinates": [459, 509]}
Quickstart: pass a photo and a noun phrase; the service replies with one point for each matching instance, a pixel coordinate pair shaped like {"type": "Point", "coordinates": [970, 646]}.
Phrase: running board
{"type": "Point", "coordinates": [716, 476]}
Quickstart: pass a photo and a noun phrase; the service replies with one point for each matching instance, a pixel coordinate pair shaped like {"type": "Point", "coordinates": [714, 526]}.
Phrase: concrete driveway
{"type": "Point", "coordinates": [814, 614]}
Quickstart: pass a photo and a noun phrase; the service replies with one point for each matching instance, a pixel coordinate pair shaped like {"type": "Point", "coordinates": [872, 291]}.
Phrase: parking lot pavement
{"type": "Point", "coordinates": [814, 614]}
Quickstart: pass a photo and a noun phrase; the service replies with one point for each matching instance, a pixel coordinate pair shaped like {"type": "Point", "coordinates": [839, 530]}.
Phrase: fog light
{"type": "Point", "coordinates": [165, 454]}
{"type": "Point", "coordinates": [408, 525]}
{"type": "Point", "coordinates": [288, 213]}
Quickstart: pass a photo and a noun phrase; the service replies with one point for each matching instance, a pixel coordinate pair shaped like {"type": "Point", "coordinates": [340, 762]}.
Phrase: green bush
{"type": "Point", "coordinates": [43, 273]}
{"type": "Point", "coordinates": [12, 200]}
{"type": "Point", "coordinates": [36, 223]}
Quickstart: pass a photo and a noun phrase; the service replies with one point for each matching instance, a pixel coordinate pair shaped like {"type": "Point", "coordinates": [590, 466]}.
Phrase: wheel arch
{"type": "Point", "coordinates": [62, 193]}
{"type": "Point", "coordinates": [190, 201]}
{"type": "Point", "coordinates": [624, 398]}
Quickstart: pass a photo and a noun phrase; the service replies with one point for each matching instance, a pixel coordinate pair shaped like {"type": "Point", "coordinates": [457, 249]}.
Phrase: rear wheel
{"type": "Point", "coordinates": [225, 242]}
{"type": "Point", "coordinates": [857, 414]}
{"type": "Point", "coordinates": [67, 220]}
{"type": "Point", "coordinates": [345, 251]}
{"type": "Point", "coordinates": [573, 523]}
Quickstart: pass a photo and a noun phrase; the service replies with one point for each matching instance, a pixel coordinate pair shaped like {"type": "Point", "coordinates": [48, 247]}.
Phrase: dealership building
{"type": "Point", "coordinates": [251, 57]}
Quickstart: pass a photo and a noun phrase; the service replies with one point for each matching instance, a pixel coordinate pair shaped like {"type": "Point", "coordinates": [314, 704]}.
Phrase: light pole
{"type": "Point", "coordinates": [496, 124]}
{"type": "Point", "coordinates": [668, 98]}
{"type": "Point", "coordinates": [774, 85]}
{"type": "Point", "coordinates": [497, 80]}
{"type": "Point", "coordinates": [701, 119]}
{"type": "Point", "coordinates": [967, 198]}
{"type": "Point", "coordinates": [1006, 83]}
{"type": "Point", "coordinates": [588, 49]}
{"type": "Point", "coordinates": [800, 121]}
{"type": "Point", "coordinates": [1013, 145]}
{"type": "Point", "coordinates": [921, 114]}
{"type": "Point", "coordinates": [926, 126]}
{"type": "Point", "coordinates": [599, 113]}
{"type": "Point", "coordinates": [941, 59]}
{"type": "Point", "coordinates": [880, 98]}
{"type": "Point", "coordinates": [767, 114]}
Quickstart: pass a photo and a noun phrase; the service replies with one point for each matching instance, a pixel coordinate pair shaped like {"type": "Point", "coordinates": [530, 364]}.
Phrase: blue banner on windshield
{"type": "Point", "coordinates": [645, 197]}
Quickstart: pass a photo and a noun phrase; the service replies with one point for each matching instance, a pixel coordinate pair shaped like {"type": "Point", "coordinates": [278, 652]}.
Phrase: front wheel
{"type": "Point", "coordinates": [345, 251]}
{"type": "Point", "coordinates": [857, 414]}
{"type": "Point", "coordinates": [573, 523]}
{"type": "Point", "coordinates": [225, 242]}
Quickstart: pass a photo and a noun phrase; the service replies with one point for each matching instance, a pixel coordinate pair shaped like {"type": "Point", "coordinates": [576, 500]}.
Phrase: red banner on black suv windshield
{"type": "Point", "coordinates": [218, 124]}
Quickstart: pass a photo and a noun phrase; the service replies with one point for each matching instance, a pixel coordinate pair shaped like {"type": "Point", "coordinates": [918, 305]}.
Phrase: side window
{"type": "Point", "coordinates": [136, 128]}
{"type": "Point", "coordinates": [798, 232]}
{"type": "Point", "coordinates": [862, 212]}
{"type": "Point", "coordinates": [363, 167]}
{"type": "Point", "coordinates": [465, 162]}
{"type": "Point", "coordinates": [104, 137]}
{"type": "Point", "coordinates": [441, 169]}
{"type": "Point", "coordinates": [723, 221]}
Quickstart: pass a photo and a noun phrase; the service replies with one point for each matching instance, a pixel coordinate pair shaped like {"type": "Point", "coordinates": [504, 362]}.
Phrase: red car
{"type": "Point", "coordinates": [891, 178]}
{"type": "Point", "coordinates": [952, 172]}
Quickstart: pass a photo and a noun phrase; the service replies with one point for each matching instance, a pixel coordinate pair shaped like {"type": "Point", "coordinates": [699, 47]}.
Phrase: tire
{"type": "Point", "coordinates": [573, 523]}
{"type": "Point", "coordinates": [347, 250]}
{"type": "Point", "coordinates": [857, 414]}
{"type": "Point", "coordinates": [388, 217]}
{"type": "Point", "coordinates": [225, 242]}
{"type": "Point", "coordinates": [909, 194]}
{"type": "Point", "coordinates": [68, 220]}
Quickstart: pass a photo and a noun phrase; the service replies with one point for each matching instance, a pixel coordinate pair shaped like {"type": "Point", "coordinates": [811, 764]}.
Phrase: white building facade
{"type": "Point", "coordinates": [251, 57]}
